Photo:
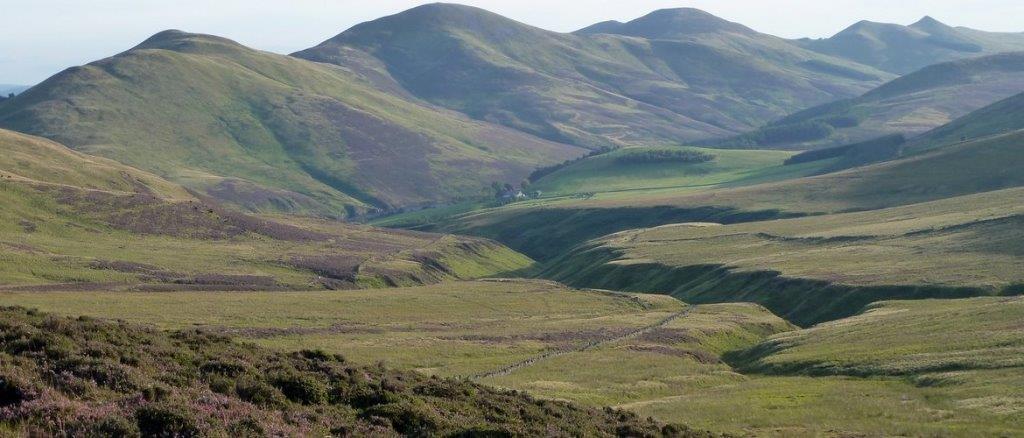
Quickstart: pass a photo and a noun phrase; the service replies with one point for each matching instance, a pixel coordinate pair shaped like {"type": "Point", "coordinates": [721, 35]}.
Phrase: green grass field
{"type": "Point", "coordinates": [604, 173]}
{"type": "Point", "coordinates": [623, 350]}
{"type": "Point", "coordinates": [964, 246]}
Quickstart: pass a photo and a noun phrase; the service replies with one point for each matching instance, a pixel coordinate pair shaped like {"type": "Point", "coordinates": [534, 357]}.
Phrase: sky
{"type": "Point", "coordinates": [41, 37]}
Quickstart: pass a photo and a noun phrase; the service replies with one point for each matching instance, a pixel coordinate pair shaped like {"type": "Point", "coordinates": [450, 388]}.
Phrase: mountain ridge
{"type": "Point", "coordinates": [597, 90]}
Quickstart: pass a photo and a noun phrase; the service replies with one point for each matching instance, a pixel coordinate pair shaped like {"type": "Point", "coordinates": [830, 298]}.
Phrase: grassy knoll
{"type": "Point", "coordinates": [958, 247]}
{"type": "Point", "coordinates": [82, 221]}
{"type": "Point", "coordinates": [85, 377]}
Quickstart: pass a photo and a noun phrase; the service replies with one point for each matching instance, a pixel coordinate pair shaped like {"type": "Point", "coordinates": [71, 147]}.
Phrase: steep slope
{"type": "Point", "coordinates": [903, 49]}
{"type": "Point", "coordinates": [73, 221]}
{"type": "Point", "coordinates": [594, 90]}
{"type": "Point", "coordinates": [910, 105]}
{"type": "Point", "coordinates": [270, 132]}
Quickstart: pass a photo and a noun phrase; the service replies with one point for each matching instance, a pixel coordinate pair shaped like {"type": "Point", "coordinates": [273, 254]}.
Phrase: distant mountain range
{"type": "Point", "coordinates": [673, 76]}
{"type": "Point", "coordinates": [902, 49]}
{"type": "Point", "coordinates": [434, 104]}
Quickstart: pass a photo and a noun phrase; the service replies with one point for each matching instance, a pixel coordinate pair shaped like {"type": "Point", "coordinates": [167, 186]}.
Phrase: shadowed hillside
{"type": "Point", "coordinates": [595, 90]}
{"type": "Point", "coordinates": [903, 49]}
{"type": "Point", "coordinates": [910, 105]}
{"type": "Point", "coordinates": [270, 133]}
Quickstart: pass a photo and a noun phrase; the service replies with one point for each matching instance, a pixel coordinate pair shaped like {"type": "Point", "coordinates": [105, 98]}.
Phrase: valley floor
{"type": "Point", "coordinates": [723, 367]}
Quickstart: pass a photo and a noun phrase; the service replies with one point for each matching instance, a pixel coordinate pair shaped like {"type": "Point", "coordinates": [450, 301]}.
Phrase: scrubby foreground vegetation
{"type": "Point", "coordinates": [80, 376]}
{"type": "Point", "coordinates": [728, 368]}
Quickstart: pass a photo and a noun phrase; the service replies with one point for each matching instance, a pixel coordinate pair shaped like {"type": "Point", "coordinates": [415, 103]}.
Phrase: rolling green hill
{"type": "Point", "coordinates": [934, 166]}
{"type": "Point", "coordinates": [910, 105]}
{"type": "Point", "coordinates": [73, 221]}
{"type": "Point", "coordinates": [977, 334]}
{"type": "Point", "coordinates": [594, 90]}
{"type": "Point", "coordinates": [818, 268]}
{"type": "Point", "coordinates": [271, 133]}
{"type": "Point", "coordinates": [903, 49]}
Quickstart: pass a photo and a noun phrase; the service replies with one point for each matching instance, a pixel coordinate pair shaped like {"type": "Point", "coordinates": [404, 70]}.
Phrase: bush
{"type": "Point", "coordinates": [246, 428]}
{"type": "Point", "coordinates": [165, 421]}
{"type": "Point", "coordinates": [408, 417]}
{"type": "Point", "coordinates": [259, 393]}
{"type": "Point", "coordinates": [300, 389]}
{"type": "Point", "coordinates": [12, 391]}
{"type": "Point", "coordinates": [113, 427]}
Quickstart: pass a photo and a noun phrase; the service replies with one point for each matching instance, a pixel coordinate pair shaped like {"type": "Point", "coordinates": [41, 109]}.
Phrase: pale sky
{"type": "Point", "coordinates": [41, 37]}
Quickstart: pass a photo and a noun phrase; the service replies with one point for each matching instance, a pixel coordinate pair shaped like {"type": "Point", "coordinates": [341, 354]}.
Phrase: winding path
{"type": "Point", "coordinates": [508, 369]}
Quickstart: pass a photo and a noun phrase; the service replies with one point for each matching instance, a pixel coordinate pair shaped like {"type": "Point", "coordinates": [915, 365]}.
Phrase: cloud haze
{"type": "Point", "coordinates": [40, 37]}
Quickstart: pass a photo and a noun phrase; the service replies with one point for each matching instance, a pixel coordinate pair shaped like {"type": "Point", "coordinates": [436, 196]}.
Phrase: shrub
{"type": "Point", "coordinates": [165, 421]}
{"type": "Point", "coordinates": [13, 391]}
{"type": "Point", "coordinates": [300, 389]}
{"type": "Point", "coordinates": [114, 426]}
{"type": "Point", "coordinates": [408, 417]}
{"type": "Point", "coordinates": [259, 393]}
{"type": "Point", "coordinates": [246, 428]}
{"type": "Point", "coordinates": [223, 368]}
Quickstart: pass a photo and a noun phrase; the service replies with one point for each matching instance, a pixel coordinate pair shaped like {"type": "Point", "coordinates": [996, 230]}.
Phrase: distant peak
{"type": "Point", "coordinates": [927, 21]}
{"type": "Point", "coordinates": [676, 22]}
{"type": "Point", "coordinates": [177, 40]}
{"type": "Point", "coordinates": [610, 26]}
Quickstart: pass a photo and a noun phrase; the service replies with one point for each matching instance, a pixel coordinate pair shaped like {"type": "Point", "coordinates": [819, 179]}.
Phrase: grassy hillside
{"type": "Point", "coordinates": [962, 246]}
{"type": "Point", "coordinates": [593, 90]}
{"type": "Point", "coordinates": [977, 334]}
{"type": "Point", "coordinates": [950, 168]}
{"type": "Point", "coordinates": [1001, 118]}
{"type": "Point", "coordinates": [86, 222]}
{"type": "Point", "coordinates": [118, 379]}
{"type": "Point", "coordinates": [646, 353]}
{"type": "Point", "coordinates": [903, 49]}
{"type": "Point", "coordinates": [915, 103]}
{"type": "Point", "coordinates": [271, 133]}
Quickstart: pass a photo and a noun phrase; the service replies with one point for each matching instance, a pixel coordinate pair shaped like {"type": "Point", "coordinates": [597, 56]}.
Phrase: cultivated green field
{"type": "Point", "coordinates": [646, 353]}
